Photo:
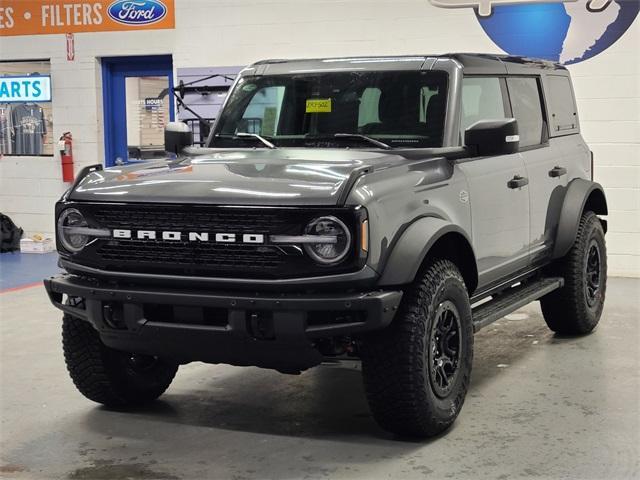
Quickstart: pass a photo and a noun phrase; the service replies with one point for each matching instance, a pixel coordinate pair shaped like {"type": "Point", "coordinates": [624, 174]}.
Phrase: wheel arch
{"type": "Point", "coordinates": [428, 238]}
{"type": "Point", "coordinates": [582, 195]}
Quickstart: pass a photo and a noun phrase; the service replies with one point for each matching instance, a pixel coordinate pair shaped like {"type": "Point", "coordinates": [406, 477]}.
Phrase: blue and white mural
{"type": "Point", "coordinates": [565, 31]}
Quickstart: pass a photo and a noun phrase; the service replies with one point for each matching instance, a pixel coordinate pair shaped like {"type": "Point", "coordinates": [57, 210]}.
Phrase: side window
{"type": "Point", "coordinates": [369, 106]}
{"type": "Point", "coordinates": [481, 100]}
{"type": "Point", "coordinates": [263, 112]}
{"type": "Point", "coordinates": [562, 106]}
{"type": "Point", "coordinates": [527, 109]}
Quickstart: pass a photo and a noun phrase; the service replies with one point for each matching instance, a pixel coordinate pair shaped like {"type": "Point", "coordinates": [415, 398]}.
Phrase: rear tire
{"type": "Point", "coordinates": [576, 308]}
{"type": "Point", "coordinates": [108, 376]}
{"type": "Point", "coordinates": [416, 372]}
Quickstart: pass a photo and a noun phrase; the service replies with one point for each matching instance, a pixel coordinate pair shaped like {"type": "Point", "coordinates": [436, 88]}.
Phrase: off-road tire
{"type": "Point", "coordinates": [107, 376]}
{"type": "Point", "coordinates": [396, 361]}
{"type": "Point", "coordinates": [571, 310]}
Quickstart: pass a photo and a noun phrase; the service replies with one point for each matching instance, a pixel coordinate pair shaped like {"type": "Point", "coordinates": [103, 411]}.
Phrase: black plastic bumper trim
{"type": "Point", "coordinates": [290, 348]}
{"type": "Point", "coordinates": [363, 277]}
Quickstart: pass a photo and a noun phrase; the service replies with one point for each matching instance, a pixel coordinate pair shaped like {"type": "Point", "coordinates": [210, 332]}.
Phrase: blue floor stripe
{"type": "Point", "coordinates": [19, 269]}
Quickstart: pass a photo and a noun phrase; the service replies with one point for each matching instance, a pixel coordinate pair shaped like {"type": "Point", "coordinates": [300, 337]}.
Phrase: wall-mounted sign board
{"type": "Point", "coordinates": [34, 88]}
{"type": "Point", "coordinates": [35, 17]}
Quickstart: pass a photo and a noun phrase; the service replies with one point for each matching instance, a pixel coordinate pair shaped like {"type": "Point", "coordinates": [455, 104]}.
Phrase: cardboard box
{"type": "Point", "coordinates": [28, 245]}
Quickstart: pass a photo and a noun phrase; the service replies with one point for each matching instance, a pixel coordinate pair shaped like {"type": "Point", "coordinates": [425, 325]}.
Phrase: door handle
{"type": "Point", "coordinates": [557, 172]}
{"type": "Point", "coordinates": [517, 182]}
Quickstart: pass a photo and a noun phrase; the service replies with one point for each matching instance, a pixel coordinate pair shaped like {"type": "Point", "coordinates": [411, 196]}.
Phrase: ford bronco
{"type": "Point", "coordinates": [369, 210]}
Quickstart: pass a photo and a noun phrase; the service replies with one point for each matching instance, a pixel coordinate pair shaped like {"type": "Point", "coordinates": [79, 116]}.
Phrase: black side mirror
{"type": "Point", "coordinates": [177, 135]}
{"type": "Point", "coordinates": [493, 137]}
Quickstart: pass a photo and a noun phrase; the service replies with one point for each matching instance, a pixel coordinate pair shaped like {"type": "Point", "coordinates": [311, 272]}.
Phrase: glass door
{"type": "Point", "coordinates": [147, 114]}
{"type": "Point", "coordinates": [138, 103]}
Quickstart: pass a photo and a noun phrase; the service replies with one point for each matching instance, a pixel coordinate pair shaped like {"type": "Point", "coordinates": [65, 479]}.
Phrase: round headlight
{"type": "Point", "coordinates": [73, 242]}
{"type": "Point", "coordinates": [334, 245]}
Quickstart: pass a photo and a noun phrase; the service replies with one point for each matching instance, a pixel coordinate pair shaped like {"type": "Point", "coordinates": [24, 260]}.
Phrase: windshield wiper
{"type": "Point", "coordinates": [266, 142]}
{"type": "Point", "coordinates": [260, 138]}
{"type": "Point", "coordinates": [373, 141]}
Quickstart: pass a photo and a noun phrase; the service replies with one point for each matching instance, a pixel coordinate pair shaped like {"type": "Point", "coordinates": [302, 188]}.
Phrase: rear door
{"type": "Point", "coordinates": [543, 160]}
{"type": "Point", "coordinates": [500, 214]}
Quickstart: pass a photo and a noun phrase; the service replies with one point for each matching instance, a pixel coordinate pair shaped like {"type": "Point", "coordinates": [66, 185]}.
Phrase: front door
{"type": "Point", "coordinates": [138, 102]}
{"type": "Point", "coordinates": [499, 207]}
{"type": "Point", "coordinates": [499, 215]}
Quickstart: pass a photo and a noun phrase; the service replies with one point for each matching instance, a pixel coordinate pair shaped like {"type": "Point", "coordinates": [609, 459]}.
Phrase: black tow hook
{"type": "Point", "coordinates": [113, 316]}
{"type": "Point", "coordinates": [260, 325]}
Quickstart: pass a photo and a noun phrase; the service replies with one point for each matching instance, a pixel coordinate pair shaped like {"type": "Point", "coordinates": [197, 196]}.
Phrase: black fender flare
{"type": "Point", "coordinates": [579, 192]}
{"type": "Point", "coordinates": [412, 247]}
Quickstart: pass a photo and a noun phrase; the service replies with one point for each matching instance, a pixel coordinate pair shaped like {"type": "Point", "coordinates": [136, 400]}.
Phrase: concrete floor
{"type": "Point", "coordinates": [540, 406]}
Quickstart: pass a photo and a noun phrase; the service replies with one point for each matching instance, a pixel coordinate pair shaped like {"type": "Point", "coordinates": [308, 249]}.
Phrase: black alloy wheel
{"type": "Point", "coordinates": [593, 273]}
{"type": "Point", "coordinates": [444, 351]}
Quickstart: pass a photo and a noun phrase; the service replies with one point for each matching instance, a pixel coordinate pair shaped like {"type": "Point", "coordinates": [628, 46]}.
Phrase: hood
{"type": "Point", "coordinates": [292, 176]}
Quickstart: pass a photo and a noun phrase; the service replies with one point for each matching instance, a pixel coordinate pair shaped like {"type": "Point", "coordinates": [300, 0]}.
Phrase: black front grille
{"type": "Point", "coordinates": [223, 256]}
{"type": "Point", "coordinates": [198, 219]}
{"type": "Point", "coordinates": [213, 259]}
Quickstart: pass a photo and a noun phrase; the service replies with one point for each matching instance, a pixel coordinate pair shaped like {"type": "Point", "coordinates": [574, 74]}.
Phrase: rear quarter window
{"type": "Point", "coordinates": [527, 109]}
{"type": "Point", "coordinates": [562, 106]}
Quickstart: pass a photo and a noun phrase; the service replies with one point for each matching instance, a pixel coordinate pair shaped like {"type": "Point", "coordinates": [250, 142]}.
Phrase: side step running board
{"type": "Point", "coordinates": [512, 299]}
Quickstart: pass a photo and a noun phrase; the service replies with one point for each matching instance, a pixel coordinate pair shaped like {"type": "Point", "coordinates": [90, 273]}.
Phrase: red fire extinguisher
{"type": "Point", "coordinates": [66, 156]}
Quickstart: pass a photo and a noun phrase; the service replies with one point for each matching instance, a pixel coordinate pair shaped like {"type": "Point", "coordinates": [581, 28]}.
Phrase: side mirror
{"type": "Point", "coordinates": [493, 137]}
{"type": "Point", "coordinates": [177, 135]}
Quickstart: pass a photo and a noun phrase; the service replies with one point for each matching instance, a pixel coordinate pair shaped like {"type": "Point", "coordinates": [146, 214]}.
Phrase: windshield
{"type": "Point", "coordinates": [400, 109]}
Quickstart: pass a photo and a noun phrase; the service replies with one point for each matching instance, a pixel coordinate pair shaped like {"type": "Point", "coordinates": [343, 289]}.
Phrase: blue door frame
{"type": "Point", "coordinates": [114, 72]}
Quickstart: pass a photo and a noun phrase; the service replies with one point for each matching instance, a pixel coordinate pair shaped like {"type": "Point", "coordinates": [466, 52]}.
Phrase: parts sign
{"type": "Point", "coordinates": [34, 17]}
{"type": "Point", "coordinates": [34, 88]}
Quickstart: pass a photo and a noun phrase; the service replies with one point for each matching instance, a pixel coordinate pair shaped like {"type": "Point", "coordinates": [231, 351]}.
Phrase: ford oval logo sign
{"type": "Point", "coordinates": [137, 12]}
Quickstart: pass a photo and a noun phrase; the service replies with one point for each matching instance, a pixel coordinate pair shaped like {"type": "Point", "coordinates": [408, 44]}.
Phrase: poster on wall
{"type": "Point", "coordinates": [564, 31]}
{"type": "Point", "coordinates": [26, 119]}
{"type": "Point", "coordinates": [34, 17]}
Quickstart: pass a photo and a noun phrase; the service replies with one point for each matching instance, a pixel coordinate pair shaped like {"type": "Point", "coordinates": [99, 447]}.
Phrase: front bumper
{"type": "Point", "coordinates": [266, 330]}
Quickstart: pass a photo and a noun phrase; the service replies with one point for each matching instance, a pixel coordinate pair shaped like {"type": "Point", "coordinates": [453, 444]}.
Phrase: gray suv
{"type": "Point", "coordinates": [376, 211]}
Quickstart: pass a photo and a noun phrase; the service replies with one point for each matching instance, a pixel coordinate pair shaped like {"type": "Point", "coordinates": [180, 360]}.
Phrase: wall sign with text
{"type": "Point", "coordinates": [35, 17]}
{"type": "Point", "coordinates": [34, 88]}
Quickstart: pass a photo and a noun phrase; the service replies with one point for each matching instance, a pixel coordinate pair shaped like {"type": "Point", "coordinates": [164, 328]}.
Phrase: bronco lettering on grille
{"type": "Point", "coordinates": [173, 236]}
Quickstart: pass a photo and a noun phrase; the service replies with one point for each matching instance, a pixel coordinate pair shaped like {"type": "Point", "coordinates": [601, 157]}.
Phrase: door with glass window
{"type": "Point", "coordinates": [499, 212]}
{"type": "Point", "coordinates": [138, 103]}
{"type": "Point", "coordinates": [544, 163]}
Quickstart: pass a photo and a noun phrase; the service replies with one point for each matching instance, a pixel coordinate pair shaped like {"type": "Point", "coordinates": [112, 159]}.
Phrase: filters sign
{"type": "Point", "coordinates": [34, 17]}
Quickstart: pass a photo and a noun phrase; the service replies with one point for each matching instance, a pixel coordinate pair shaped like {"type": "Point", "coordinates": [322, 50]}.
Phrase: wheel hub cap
{"type": "Point", "coordinates": [444, 349]}
{"type": "Point", "coordinates": [593, 274]}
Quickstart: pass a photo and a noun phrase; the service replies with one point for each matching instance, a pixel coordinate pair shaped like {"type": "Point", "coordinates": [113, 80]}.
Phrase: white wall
{"type": "Point", "coordinates": [235, 32]}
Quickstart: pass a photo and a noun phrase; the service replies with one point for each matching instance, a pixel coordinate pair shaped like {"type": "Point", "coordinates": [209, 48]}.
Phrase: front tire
{"type": "Point", "coordinates": [416, 372]}
{"type": "Point", "coordinates": [576, 308]}
{"type": "Point", "coordinates": [111, 377]}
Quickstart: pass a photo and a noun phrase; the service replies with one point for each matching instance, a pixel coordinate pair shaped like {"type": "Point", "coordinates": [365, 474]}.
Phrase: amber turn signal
{"type": "Point", "coordinates": [364, 236]}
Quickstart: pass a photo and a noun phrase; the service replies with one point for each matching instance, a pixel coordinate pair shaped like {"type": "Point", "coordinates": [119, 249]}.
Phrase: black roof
{"type": "Point", "coordinates": [474, 63]}
{"type": "Point", "coordinates": [495, 62]}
